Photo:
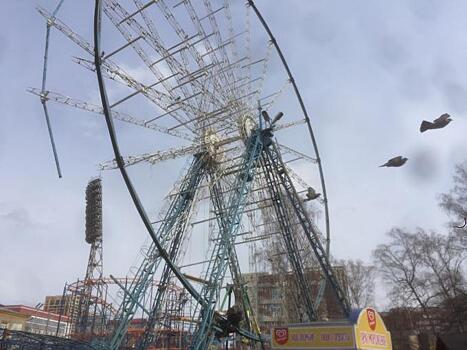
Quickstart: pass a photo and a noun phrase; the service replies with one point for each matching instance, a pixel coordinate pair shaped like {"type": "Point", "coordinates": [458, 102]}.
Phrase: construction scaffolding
{"type": "Point", "coordinates": [93, 306]}
{"type": "Point", "coordinates": [173, 323]}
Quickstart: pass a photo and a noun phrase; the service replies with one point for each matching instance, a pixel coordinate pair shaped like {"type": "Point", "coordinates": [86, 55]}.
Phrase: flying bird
{"type": "Point", "coordinates": [438, 123]}
{"type": "Point", "coordinates": [395, 162]}
{"type": "Point", "coordinates": [311, 194]}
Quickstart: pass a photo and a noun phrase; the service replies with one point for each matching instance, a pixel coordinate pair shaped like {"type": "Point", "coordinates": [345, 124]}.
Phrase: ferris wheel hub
{"type": "Point", "coordinates": [246, 126]}
{"type": "Point", "coordinates": [213, 146]}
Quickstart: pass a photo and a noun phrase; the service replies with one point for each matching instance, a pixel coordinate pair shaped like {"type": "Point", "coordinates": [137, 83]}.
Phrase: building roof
{"type": "Point", "coordinates": [30, 311]}
{"type": "Point", "coordinates": [8, 312]}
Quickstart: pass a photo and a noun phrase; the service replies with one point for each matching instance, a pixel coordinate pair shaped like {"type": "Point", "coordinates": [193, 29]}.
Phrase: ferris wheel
{"type": "Point", "coordinates": [208, 80]}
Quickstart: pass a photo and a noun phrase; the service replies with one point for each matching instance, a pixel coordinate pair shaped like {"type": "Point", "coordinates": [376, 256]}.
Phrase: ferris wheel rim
{"type": "Point", "coordinates": [118, 157]}
{"type": "Point", "coordinates": [307, 121]}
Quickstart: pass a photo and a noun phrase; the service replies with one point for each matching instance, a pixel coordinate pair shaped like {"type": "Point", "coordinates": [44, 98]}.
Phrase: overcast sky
{"type": "Point", "coordinates": [369, 72]}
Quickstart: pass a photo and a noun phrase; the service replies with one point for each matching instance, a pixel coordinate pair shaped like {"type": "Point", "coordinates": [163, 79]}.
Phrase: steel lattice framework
{"type": "Point", "coordinates": [28, 341]}
{"type": "Point", "coordinates": [204, 76]}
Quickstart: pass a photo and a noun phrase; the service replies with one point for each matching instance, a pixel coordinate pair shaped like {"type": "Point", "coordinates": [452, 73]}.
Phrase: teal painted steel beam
{"type": "Point", "coordinates": [172, 227]}
{"type": "Point", "coordinates": [310, 230]}
{"type": "Point", "coordinates": [204, 334]}
{"type": "Point", "coordinates": [304, 298]}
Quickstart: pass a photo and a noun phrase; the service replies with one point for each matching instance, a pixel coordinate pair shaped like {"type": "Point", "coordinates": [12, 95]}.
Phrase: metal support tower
{"type": "Point", "coordinates": [91, 313]}
{"type": "Point", "coordinates": [169, 233]}
{"type": "Point", "coordinates": [239, 286]}
{"type": "Point", "coordinates": [230, 223]}
{"type": "Point", "coordinates": [187, 193]}
{"type": "Point", "coordinates": [287, 228]}
{"type": "Point", "coordinates": [311, 232]}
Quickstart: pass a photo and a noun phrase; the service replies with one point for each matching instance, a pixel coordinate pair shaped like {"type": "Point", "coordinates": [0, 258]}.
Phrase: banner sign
{"type": "Point", "coordinates": [338, 337]}
{"type": "Point", "coordinates": [365, 331]}
{"type": "Point", "coordinates": [370, 331]}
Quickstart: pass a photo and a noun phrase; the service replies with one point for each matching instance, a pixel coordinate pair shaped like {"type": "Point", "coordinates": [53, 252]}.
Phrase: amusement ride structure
{"type": "Point", "coordinates": [220, 97]}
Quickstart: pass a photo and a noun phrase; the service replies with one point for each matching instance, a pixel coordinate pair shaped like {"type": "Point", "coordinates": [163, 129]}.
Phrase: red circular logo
{"type": "Point", "coordinates": [371, 316]}
{"type": "Point", "coordinates": [281, 335]}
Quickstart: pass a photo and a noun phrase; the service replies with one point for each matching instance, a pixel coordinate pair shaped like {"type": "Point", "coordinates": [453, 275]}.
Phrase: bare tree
{"type": "Point", "coordinates": [400, 265]}
{"type": "Point", "coordinates": [443, 257]}
{"type": "Point", "coordinates": [425, 271]}
{"type": "Point", "coordinates": [455, 201]}
{"type": "Point", "coordinates": [360, 282]}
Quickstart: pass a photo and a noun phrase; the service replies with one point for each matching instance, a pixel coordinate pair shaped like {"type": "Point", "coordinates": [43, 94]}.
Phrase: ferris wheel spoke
{"type": "Point", "coordinates": [302, 183]}
{"type": "Point", "coordinates": [115, 12]}
{"type": "Point", "coordinates": [121, 116]}
{"type": "Point", "coordinates": [113, 71]}
{"type": "Point", "coordinates": [156, 41]}
{"type": "Point", "coordinates": [287, 125]}
{"type": "Point", "coordinates": [228, 15]}
{"type": "Point", "coordinates": [201, 119]}
{"type": "Point", "coordinates": [211, 16]}
{"type": "Point", "coordinates": [160, 156]}
{"type": "Point", "coordinates": [290, 150]}
{"type": "Point", "coordinates": [66, 30]}
{"type": "Point", "coordinates": [180, 47]}
{"type": "Point", "coordinates": [178, 28]}
{"type": "Point", "coordinates": [276, 96]}
{"type": "Point", "coordinates": [227, 87]}
{"type": "Point", "coordinates": [191, 49]}
{"type": "Point", "coordinates": [163, 101]}
{"type": "Point", "coordinates": [220, 43]}
{"type": "Point", "coordinates": [177, 69]}
{"type": "Point", "coordinates": [153, 158]}
{"type": "Point", "coordinates": [264, 70]}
